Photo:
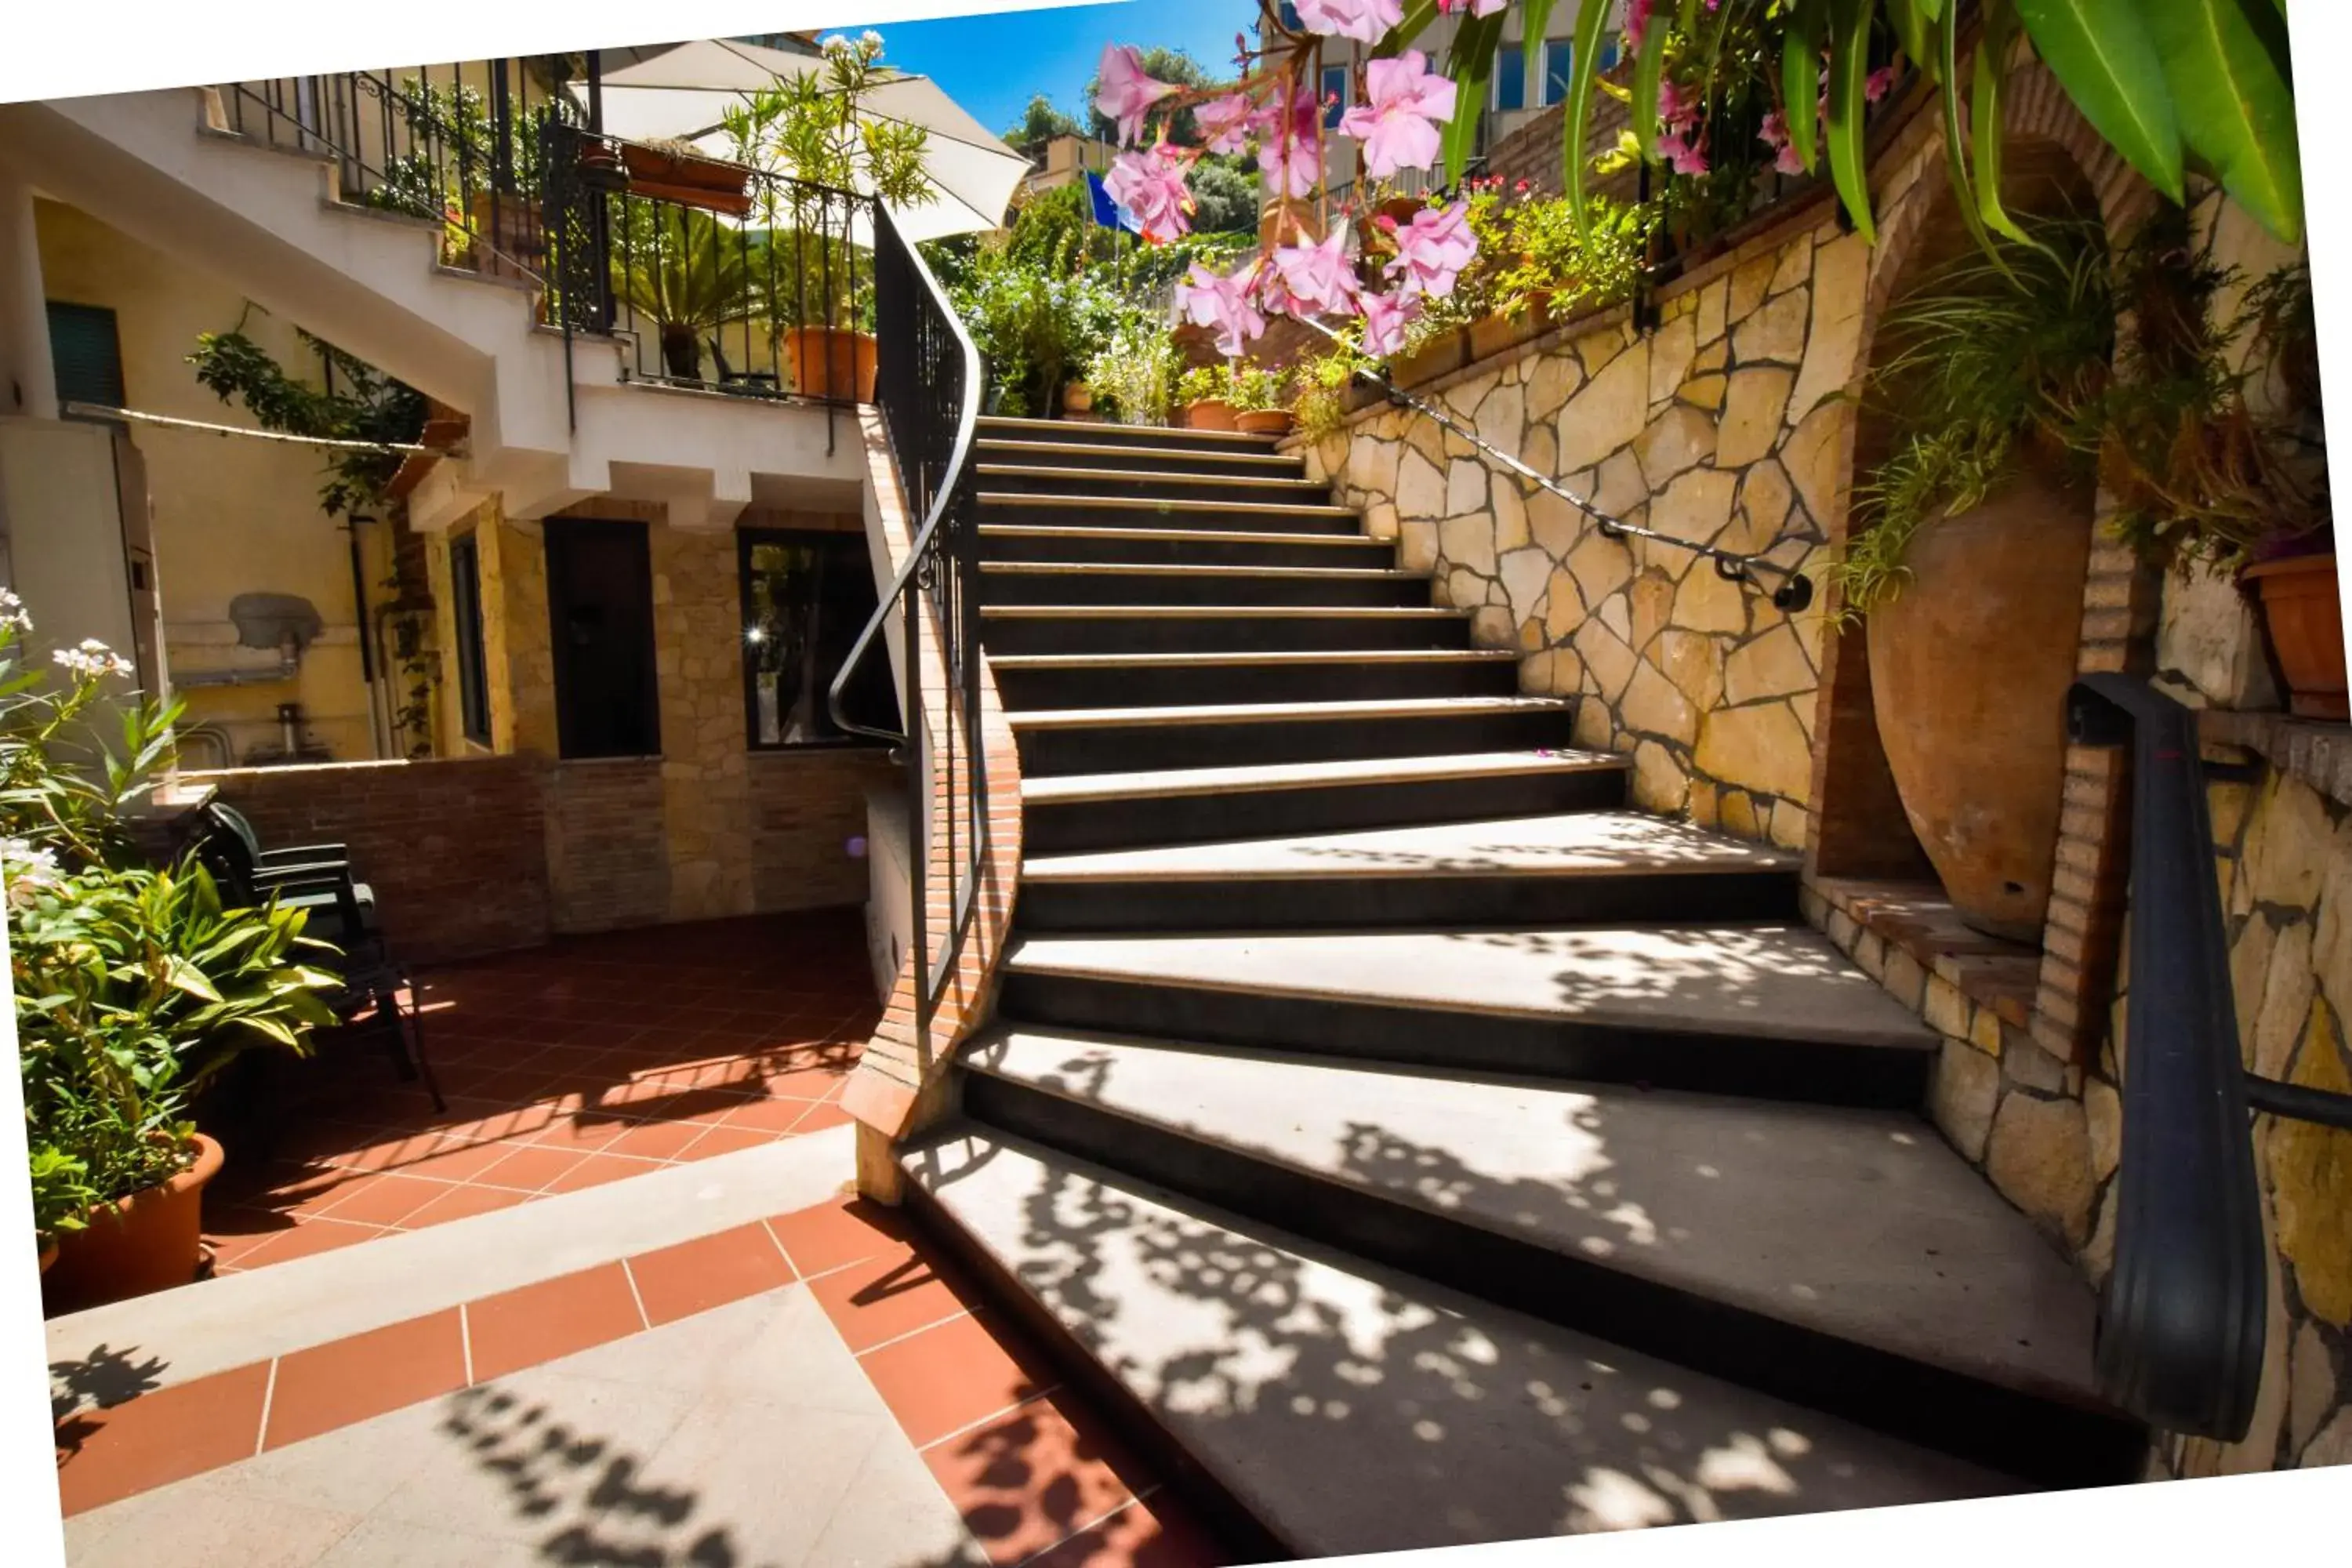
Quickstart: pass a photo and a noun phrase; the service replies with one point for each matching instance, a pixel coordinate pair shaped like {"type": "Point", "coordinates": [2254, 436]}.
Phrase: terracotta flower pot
{"type": "Point", "coordinates": [712, 183]}
{"type": "Point", "coordinates": [151, 1240]}
{"type": "Point", "coordinates": [1211, 414]}
{"type": "Point", "coordinates": [828, 361]}
{"type": "Point", "coordinates": [48, 1254]}
{"type": "Point", "coordinates": [2303, 609]}
{"type": "Point", "coordinates": [1077, 398]}
{"type": "Point", "coordinates": [1264, 422]}
{"type": "Point", "coordinates": [1970, 665]}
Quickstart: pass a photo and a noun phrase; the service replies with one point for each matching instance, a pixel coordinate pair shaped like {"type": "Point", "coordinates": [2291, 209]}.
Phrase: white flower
{"type": "Point", "coordinates": [12, 613]}
{"type": "Point", "coordinates": [27, 870]}
{"type": "Point", "coordinates": [93, 659]}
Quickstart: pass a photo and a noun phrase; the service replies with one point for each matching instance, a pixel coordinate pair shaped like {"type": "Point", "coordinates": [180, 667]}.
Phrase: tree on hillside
{"type": "Point", "coordinates": [1225, 199]}
{"type": "Point", "coordinates": [1039, 124]}
{"type": "Point", "coordinates": [1161, 64]}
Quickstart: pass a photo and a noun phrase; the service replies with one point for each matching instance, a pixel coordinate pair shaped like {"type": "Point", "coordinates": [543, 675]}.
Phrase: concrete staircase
{"type": "Point", "coordinates": [1414, 1144]}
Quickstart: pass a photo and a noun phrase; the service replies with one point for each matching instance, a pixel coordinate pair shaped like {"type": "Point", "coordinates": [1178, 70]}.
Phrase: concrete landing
{"type": "Point", "coordinates": [1355, 1410]}
{"type": "Point", "coordinates": [1861, 1225]}
{"type": "Point", "coordinates": [1767, 982]}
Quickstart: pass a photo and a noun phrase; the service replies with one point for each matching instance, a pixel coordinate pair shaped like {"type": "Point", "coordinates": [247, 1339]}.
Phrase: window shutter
{"type": "Point", "coordinates": [88, 355]}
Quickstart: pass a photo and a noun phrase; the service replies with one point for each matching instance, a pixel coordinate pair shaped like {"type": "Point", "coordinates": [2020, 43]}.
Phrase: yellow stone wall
{"type": "Point", "coordinates": [231, 515]}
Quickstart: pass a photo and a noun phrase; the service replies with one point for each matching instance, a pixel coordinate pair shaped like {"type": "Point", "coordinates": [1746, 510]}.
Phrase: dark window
{"type": "Point", "coordinates": [466, 601]}
{"type": "Point", "coordinates": [599, 601]}
{"type": "Point", "coordinates": [1289, 14]}
{"type": "Point", "coordinates": [88, 355]}
{"type": "Point", "coordinates": [1335, 95]}
{"type": "Point", "coordinates": [1557, 55]}
{"type": "Point", "coordinates": [1510, 77]}
{"type": "Point", "coordinates": [807, 595]}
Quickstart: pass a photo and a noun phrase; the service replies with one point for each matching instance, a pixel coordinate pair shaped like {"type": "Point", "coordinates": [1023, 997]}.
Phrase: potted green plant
{"type": "Point", "coordinates": [687, 274]}
{"type": "Point", "coordinates": [1258, 402]}
{"type": "Point", "coordinates": [812, 130]}
{"type": "Point", "coordinates": [1135, 370]}
{"type": "Point", "coordinates": [135, 985]}
{"type": "Point", "coordinates": [1206, 394]}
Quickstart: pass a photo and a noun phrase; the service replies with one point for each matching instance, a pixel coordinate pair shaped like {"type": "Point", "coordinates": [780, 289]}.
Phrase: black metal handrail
{"type": "Point", "coordinates": [928, 387]}
{"type": "Point", "coordinates": [2181, 1319]}
{"type": "Point", "coordinates": [756, 284]}
{"type": "Point", "coordinates": [457, 145]}
{"type": "Point", "coordinates": [1792, 592]}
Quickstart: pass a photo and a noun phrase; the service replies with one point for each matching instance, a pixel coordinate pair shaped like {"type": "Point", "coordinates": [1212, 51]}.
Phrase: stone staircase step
{"type": "Point", "coordinates": [1345, 1407]}
{"type": "Point", "coordinates": [1091, 739]}
{"type": "Point", "coordinates": [1771, 1010]}
{"type": "Point", "coordinates": [1124, 808]}
{"type": "Point", "coordinates": [1592, 866]}
{"type": "Point", "coordinates": [1185, 582]}
{"type": "Point", "coordinates": [1171, 483]}
{"type": "Point", "coordinates": [1195, 546]}
{"type": "Point", "coordinates": [1080, 453]}
{"type": "Point", "coordinates": [1156, 437]}
{"type": "Point", "coordinates": [1843, 1258]}
{"type": "Point", "coordinates": [1259, 515]}
{"type": "Point", "coordinates": [1218, 628]}
{"type": "Point", "coordinates": [1102, 680]}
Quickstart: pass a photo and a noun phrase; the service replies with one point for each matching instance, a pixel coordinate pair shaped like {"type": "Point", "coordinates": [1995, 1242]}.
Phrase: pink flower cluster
{"type": "Point", "coordinates": [1774, 134]}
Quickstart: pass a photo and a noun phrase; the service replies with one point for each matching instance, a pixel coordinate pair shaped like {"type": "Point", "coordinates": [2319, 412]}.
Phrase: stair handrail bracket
{"type": "Point", "coordinates": [928, 387]}
{"type": "Point", "coordinates": [1791, 591]}
{"type": "Point", "coordinates": [2182, 1315]}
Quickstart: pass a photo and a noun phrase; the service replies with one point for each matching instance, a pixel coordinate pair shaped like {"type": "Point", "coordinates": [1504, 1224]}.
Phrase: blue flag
{"type": "Point", "coordinates": [1108, 213]}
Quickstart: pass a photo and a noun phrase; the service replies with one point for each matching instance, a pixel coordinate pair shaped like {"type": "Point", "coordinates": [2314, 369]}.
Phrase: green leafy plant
{"type": "Point", "coordinates": [809, 129]}
{"type": "Point", "coordinates": [134, 986]}
{"type": "Point", "coordinates": [683, 270]}
{"type": "Point", "coordinates": [1135, 369]}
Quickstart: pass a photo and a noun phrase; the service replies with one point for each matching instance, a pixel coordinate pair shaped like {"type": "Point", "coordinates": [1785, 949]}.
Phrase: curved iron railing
{"type": "Point", "coordinates": [2182, 1318]}
{"type": "Point", "coordinates": [1791, 591]}
{"type": "Point", "coordinates": [928, 386]}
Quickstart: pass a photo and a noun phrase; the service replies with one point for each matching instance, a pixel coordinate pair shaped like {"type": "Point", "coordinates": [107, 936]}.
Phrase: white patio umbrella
{"type": "Point", "coordinates": [683, 94]}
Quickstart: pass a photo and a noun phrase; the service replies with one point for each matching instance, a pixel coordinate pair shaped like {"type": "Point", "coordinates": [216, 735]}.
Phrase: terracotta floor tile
{"type": "Point", "coordinates": [350, 1379]}
{"type": "Point", "coordinates": [774, 1116]}
{"type": "Point", "coordinates": [804, 1083]}
{"type": "Point", "coordinates": [959, 1374]}
{"type": "Point", "coordinates": [530, 1167]}
{"type": "Point", "coordinates": [1026, 1482]}
{"type": "Point", "coordinates": [887, 1296]}
{"type": "Point", "coordinates": [309, 1237]}
{"type": "Point", "coordinates": [656, 1140]}
{"type": "Point", "coordinates": [585, 1131]}
{"type": "Point", "coordinates": [464, 1203]}
{"type": "Point", "coordinates": [727, 1140]}
{"type": "Point", "coordinates": [383, 1199]}
{"type": "Point", "coordinates": [711, 1271]}
{"type": "Point", "coordinates": [821, 1117]}
{"type": "Point", "coordinates": [595, 1170]}
{"type": "Point", "coordinates": [1153, 1533]}
{"type": "Point", "coordinates": [160, 1438]}
{"type": "Point", "coordinates": [455, 1159]}
{"type": "Point", "coordinates": [821, 1239]}
{"type": "Point", "coordinates": [555, 1318]}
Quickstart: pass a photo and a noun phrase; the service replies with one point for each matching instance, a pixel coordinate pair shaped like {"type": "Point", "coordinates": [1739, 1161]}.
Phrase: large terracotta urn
{"type": "Point", "coordinates": [1970, 665]}
{"type": "Point", "coordinates": [151, 1240]}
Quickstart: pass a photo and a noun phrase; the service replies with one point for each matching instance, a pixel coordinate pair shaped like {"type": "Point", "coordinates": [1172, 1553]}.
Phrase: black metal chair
{"type": "Point", "coordinates": [317, 880]}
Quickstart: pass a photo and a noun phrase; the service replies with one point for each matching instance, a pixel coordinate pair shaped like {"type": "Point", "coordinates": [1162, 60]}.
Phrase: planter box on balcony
{"type": "Point", "coordinates": [706, 182]}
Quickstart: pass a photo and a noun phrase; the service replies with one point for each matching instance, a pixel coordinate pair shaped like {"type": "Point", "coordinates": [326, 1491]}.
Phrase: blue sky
{"type": "Point", "coordinates": [992, 65]}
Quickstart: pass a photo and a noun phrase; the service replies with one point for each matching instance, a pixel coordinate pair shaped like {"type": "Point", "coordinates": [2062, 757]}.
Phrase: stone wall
{"type": "Point", "coordinates": [455, 850]}
{"type": "Point", "coordinates": [1714, 429]}
{"type": "Point", "coordinates": [607, 857]}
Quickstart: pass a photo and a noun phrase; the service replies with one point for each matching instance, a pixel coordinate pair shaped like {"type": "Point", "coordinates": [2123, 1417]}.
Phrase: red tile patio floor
{"type": "Point", "coordinates": [585, 1061]}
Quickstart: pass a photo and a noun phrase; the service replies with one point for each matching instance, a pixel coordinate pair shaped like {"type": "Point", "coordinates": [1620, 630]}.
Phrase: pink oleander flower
{"type": "Point", "coordinates": [1405, 103]}
{"type": "Point", "coordinates": [1881, 83]}
{"type": "Point", "coordinates": [1123, 92]}
{"type": "Point", "coordinates": [1222, 303]}
{"type": "Point", "coordinates": [1637, 23]}
{"type": "Point", "coordinates": [1385, 318]}
{"type": "Point", "coordinates": [1476, 7]}
{"type": "Point", "coordinates": [1685, 158]}
{"type": "Point", "coordinates": [1366, 21]}
{"type": "Point", "coordinates": [1149, 183]}
{"type": "Point", "coordinates": [1290, 153]}
{"type": "Point", "coordinates": [1434, 248]}
{"type": "Point", "coordinates": [1226, 121]}
{"type": "Point", "coordinates": [1319, 277]}
{"type": "Point", "coordinates": [1677, 108]}
{"type": "Point", "coordinates": [1775, 135]}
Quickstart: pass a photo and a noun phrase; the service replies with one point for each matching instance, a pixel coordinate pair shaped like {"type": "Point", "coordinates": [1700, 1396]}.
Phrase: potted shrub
{"type": "Point", "coordinates": [687, 274]}
{"type": "Point", "coordinates": [134, 986]}
{"type": "Point", "coordinates": [813, 133]}
{"type": "Point", "coordinates": [1256, 397]}
{"type": "Point", "coordinates": [1206, 394]}
{"type": "Point", "coordinates": [1135, 371]}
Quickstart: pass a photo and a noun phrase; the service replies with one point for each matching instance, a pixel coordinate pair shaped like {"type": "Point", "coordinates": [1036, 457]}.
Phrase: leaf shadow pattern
{"type": "Point", "coordinates": [101, 1380]}
{"type": "Point", "coordinates": [1382, 1417]}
